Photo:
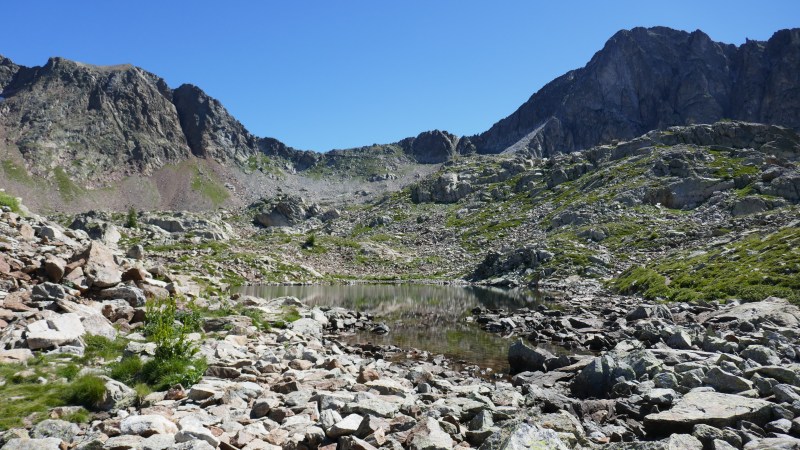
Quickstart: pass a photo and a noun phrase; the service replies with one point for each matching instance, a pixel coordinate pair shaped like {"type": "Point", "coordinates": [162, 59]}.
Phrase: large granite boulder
{"type": "Point", "coordinates": [710, 408]}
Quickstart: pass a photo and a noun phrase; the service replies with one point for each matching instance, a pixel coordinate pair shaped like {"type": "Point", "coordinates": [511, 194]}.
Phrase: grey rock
{"type": "Point", "coordinates": [778, 443]}
{"type": "Point", "coordinates": [147, 425]}
{"type": "Point", "coordinates": [131, 294]}
{"type": "Point", "coordinates": [47, 291]}
{"type": "Point", "coordinates": [101, 270]}
{"type": "Point", "coordinates": [710, 408]}
{"type": "Point", "coordinates": [61, 330]}
{"type": "Point", "coordinates": [196, 432]}
{"type": "Point", "coordinates": [159, 442]}
{"type": "Point", "coordinates": [523, 358]}
{"type": "Point", "coordinates": [33, 444]}
{"type": "Point", "coordinates": [774, 310]}
{"type": "Point", "coordinates": [725, 382]}
{"type": "Point", "coordinates": [346, 426]}
{"type": "Point", "coordinates": [60, 429]}
{"type": "Point", "coordinates": [719, 444]}
{"type": "Point", "coordinates": [428, 435]}
{"type": "Point", "coordinates": [523, 436]}
{"type": "Point", "coordinates": [783, 426]}
{"type": "Point", "coordinates": [597, 379]}
{"type": "Point", "coordinates": [680, 340]}
{"type": "Point", "coordinates": [762, 355]}
{"type": "Point", "coordinates": [116, 396]}
{"type": "Point", "coordinates": [786, 393]}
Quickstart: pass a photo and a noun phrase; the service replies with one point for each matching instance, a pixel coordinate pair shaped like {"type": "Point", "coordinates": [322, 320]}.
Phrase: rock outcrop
{"type": "Point", "coordinates": [653, 78]}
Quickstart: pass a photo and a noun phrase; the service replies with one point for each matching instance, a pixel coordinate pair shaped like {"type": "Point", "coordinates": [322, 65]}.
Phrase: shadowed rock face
{"type": "Point", "coordinates": [431, 146]}
{"type": "Point", "coordinates": [210, 131]}
{"type": "Point", "coordinates": [645, 79]}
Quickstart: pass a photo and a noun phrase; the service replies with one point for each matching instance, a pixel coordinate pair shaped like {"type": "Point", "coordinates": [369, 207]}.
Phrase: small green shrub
{"type": "Point", "coordinates": [168, 326]}
{"type": "Point", "coordinates": [162, 373]}
{"type": "Point", "coordinates": [79, 416]}
{"type": "Point", "coordinates": [142, 390]}
{"type": "Point", "coordinates": [127, 370]}
{"type": "Point", "coordinates": [10, 201]}
{"type": "Point", "coordinates": [291, 315]}
{"type": "Point", "coordinates": [310, 242]}
{"type": "Point", "coordinates": [86, 391]}
{"type": "Point", "coordinates": [132, 219]}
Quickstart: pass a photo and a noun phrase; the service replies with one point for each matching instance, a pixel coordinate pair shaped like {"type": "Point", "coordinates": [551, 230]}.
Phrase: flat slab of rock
{"type": "Point", "coordinates": [147, 425]}
{"type": "Point", "coordinates": [710, 408]}
{"type": "Point", "coordinates": [775, 310]}
{"type": "Point", "coordinates": [33, 444]}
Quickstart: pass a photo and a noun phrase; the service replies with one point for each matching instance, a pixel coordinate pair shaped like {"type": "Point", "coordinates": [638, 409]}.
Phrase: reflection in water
{"type": "Point", "coordinates": [426, 317]}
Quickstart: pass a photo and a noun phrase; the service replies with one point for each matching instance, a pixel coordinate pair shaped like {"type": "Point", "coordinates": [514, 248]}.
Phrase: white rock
{"type": "Point", "coordinates": [147, 425]}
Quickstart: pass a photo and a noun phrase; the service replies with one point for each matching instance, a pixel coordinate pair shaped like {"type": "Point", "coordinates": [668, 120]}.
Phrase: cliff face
{"type": "Point", "coordinates": [211, 132]}
{"type": "Point", "coordinates": [91, 121]}
{"type": "Point", "coordinates": [101, 123]}
{"type": "Point", "coordinates": [645, 79]}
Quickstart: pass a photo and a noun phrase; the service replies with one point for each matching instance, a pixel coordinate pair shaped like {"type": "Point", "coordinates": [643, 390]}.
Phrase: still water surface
{"type": "Point", "coordinates": [425, 317]}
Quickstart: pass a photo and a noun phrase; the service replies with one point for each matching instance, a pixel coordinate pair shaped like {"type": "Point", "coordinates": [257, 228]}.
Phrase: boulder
{"type": "Point", "coordinates": [131, 294]}
{"type": "Point", "coordinates": [147, 425]}
{"type": "Point", "coordinates": [116, 396]}
{"type": "Point", "coordinates": [284, 211]}
{"type": "Point", "coordinates": [346, 426]}
{"type": "Point", "coordinates": [597, 378]}
{"type": "Point", "coordinates": [524, 358]}
{"type": "Point", "coordinates": [33, 444]}
{"type": "Point", "coordinates": [773, 309]}
{"type": "Point", "coordinates": [726, 382]}
{"type": "Point", "coordinates": [101, 270]}
{"type": "Point", "coordinates": [524, 436]}
{"type": "Point", "coordinates": [710, 408]}
{"type": "Point", "coordinates": [60, 330]}
{"type": "Point", "coordinates": [60, 429]}
{"type": "Point", "coordinates": [427, 434]}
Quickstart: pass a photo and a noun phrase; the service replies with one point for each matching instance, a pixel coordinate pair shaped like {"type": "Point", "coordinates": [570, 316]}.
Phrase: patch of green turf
{"type": "Point", "coordinates": [66, 187]}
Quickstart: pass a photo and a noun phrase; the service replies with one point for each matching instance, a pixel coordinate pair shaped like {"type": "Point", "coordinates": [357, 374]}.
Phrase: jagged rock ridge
{"type": "Point", "coordinates": [653, 78]}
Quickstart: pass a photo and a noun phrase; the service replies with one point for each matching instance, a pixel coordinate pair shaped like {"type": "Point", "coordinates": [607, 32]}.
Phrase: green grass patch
{"type": "Point", "coordinates": [66, 187]}
{"type": "Point", "coordinates": [751, 269]}
{"type": "Point", "coordinates": [87, 391]}
{"type": "Point", "coordinates": [9, 201]}
{"type": "Point", "coordinates": [209, 188]}
{"type": "Point", "coordinates": [16, 172]}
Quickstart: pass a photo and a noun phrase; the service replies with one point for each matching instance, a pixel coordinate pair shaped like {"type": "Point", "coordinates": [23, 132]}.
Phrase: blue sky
{"type": "Point", "coordinates": [336, 74]}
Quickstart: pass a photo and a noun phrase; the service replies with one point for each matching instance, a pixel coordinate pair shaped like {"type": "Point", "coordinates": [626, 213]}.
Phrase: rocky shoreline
{"type": "Point", "coordinates": [636, 376]}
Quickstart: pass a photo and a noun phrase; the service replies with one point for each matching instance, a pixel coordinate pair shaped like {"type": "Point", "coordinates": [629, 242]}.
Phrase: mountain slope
{"type": "Point", "coordinates": [653, 78]}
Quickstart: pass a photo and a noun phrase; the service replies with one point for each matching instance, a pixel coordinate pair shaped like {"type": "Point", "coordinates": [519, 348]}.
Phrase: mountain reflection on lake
{"type": "Point", "coordinates": [426, 317]}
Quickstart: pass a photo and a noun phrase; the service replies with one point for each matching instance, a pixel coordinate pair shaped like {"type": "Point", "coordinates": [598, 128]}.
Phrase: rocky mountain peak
{"type": "Point", "coordinates": [653, 78]}
{"type": "Point", "coordinates": [211, 132]}
{"type": "Point", "coordinates": [431, 146]}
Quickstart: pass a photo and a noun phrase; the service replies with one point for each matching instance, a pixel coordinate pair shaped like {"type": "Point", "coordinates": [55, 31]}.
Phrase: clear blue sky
{"type": "Point", "coordinates": [336, 74]}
